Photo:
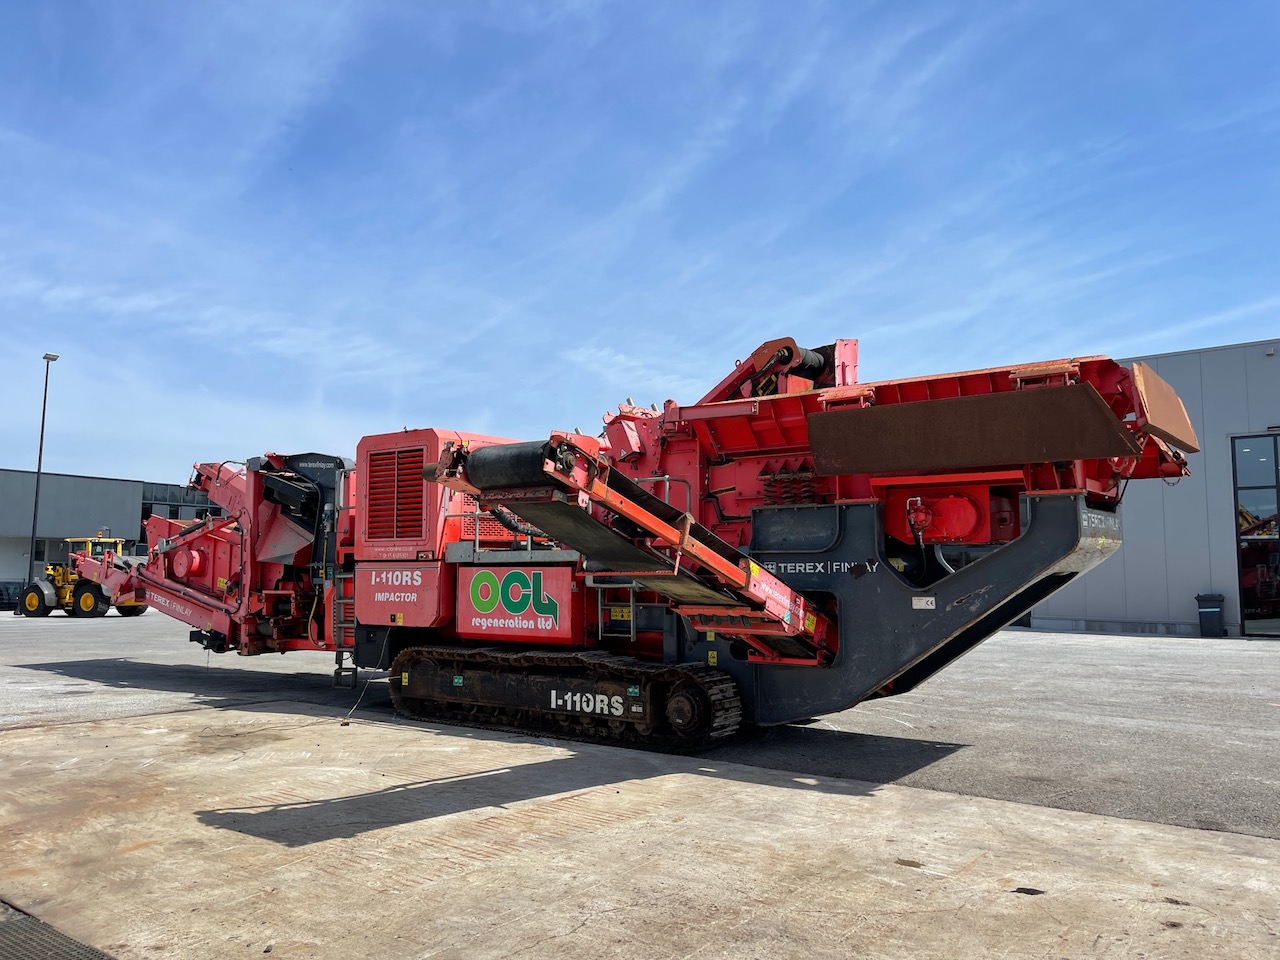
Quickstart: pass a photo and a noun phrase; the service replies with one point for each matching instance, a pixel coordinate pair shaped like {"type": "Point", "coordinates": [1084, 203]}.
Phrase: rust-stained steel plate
{"type": "Point", "coordinates": [1040, 425]}
{"type": "Point", "coordinates": [1166, 416]}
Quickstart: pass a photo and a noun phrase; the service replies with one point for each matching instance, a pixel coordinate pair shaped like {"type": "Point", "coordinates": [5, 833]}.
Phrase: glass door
{"type": "Point", "coordinates": [1257, 482]}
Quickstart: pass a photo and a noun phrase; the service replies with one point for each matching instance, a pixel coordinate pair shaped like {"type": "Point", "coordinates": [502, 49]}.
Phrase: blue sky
{"type": "Point", "coordinates": [284, 225]}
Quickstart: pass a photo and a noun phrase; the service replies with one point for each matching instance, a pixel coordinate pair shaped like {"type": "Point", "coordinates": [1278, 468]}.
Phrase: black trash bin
{"type": "Point", "coordinates": [1211, 614]}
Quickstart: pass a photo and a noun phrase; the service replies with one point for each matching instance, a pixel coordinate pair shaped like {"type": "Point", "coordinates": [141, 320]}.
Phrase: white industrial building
{"type": "Point", "coordinates": [1211, 533]}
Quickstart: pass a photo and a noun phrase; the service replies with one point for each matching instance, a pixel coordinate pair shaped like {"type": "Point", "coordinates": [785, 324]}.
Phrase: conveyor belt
{"type": "Point", "coordinates": [578, 530]}
{"type": "Point", "coordinates": [516, 466]}
{"type": "Point", "coordinates": [521, 466]}
{"type": "Point", "coordinates": [668, 514]}
{"type": "Point", "coordinates": [508, 466]}
{"type": "Point", "coordinates": [687, 589]}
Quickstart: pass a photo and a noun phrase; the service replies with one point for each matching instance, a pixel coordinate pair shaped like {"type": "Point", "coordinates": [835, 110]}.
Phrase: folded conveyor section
{"type": "Point", "coordinates": [705, 577]}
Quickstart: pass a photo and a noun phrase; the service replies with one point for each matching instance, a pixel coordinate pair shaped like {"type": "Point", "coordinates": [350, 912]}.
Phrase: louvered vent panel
{"type": "Point", "coordinates": [395, 487]}
{"type": "Point", "coordinates": [409, 484]}
{"type": "Point", "coordinates": [381, 483]}
{"type": "Point", "coordinates": [490, 529]}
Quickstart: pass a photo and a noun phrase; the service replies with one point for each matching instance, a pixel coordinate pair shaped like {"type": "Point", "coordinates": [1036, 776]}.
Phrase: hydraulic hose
{"type": "Point", "coordinates": [515, 524]}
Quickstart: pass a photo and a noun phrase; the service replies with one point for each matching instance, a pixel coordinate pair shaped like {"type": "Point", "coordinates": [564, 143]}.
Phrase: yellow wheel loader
{"type": "Point", "coordinates": [62, 587]}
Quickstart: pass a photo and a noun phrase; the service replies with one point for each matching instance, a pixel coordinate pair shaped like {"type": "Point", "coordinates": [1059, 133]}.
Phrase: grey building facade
{"type": "Point", "coordinates": [78, 506]}
{"type": "Point", "coordinates": [1214, 532]}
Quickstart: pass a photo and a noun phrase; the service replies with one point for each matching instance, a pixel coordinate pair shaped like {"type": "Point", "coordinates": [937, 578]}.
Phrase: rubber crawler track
{"type": "Point", "coordinates": [718, 687]}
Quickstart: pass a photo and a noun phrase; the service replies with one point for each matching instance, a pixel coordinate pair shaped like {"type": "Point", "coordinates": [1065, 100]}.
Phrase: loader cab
{"type": "Point", "coordinates": [63, 573]}
{"type": "Point", "coordinates": [96, 547]}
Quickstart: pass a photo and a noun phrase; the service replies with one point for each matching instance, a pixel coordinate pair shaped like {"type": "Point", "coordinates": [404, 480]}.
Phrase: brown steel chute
{"type": "Point", "coordinates": [1166, 416]}
{"type": "Point", "coordinates": [1042, 425]}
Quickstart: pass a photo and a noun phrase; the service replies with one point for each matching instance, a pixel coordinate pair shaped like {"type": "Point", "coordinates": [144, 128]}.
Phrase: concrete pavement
{"type": "Point", "coordinates": [211, 834]}
{"type": "Point", "coordinates": [158, 802]}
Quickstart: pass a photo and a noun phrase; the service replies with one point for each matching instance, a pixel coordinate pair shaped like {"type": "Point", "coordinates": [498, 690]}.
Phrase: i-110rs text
{"type": "Point", "coordinates": [587, 703]}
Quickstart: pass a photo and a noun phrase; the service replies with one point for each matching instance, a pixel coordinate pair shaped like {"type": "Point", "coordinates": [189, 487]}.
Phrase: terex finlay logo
{"type": "Point", "coordinates": [516, 592]}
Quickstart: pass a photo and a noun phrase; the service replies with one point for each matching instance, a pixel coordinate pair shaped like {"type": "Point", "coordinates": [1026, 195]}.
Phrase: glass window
{"type": "Point", "coordinates": [1256, 513]}
{"type": "Point", "coordinates": [1258, 534]}
{"type": "Point", "coordinates": [1255, 461]}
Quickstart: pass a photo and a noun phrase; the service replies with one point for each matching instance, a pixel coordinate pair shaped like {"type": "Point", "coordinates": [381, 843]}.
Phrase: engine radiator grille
{"type": "Point", "coordinates": [395, 494]}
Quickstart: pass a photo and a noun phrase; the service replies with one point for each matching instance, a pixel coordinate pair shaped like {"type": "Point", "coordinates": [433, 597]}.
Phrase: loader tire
{"type": "Point", "coordinates": [133, 610]}
{"type": "Point", "coordinates": [88, 601]}
{"type": "Point", "coordinates": [33, 602]}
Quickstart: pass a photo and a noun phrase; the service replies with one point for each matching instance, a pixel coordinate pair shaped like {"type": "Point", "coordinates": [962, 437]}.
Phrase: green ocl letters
{"type": "Point", "coordinates": [516, 591]}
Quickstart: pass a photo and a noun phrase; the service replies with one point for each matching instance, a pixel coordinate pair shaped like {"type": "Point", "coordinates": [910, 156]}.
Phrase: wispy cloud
{"type": "Point", "coordinates": [645, 381]}
{"type": "Point", "coordinates": [1221, 320]}
{"type": "Point", "coordinates": [292, 223]}
{"type": "Point", "coordinates": [71, 299]}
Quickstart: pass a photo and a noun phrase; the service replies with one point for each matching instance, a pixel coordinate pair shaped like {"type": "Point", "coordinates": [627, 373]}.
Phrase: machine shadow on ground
{"type": "Point", "coordinates": [851, 764]}
{"type": "Point", "coordinates": [799, 748]}
{"type": "Point", "coordinates": [822, 751]}
{"type": "Point", "coordinates": [303, 823]}
{"type": "Point", "coordinates": [208, 686]}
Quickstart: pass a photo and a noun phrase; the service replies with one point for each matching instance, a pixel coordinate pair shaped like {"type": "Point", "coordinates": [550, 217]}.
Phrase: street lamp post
{"type": "Point", "coordinates": [35, 510]}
